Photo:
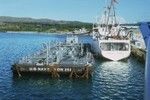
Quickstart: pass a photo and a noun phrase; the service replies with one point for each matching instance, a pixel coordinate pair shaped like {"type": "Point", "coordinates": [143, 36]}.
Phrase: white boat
{"type": "Point", "coordinates": [111, 41]}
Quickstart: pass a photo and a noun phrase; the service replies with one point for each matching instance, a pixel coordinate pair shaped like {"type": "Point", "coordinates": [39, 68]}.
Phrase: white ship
{"type": "Point", "coordinates": [111, 41]}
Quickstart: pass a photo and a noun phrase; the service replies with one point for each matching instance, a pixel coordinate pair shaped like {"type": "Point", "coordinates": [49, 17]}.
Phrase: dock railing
{"type": "Point", "coordinates": [145, 30]}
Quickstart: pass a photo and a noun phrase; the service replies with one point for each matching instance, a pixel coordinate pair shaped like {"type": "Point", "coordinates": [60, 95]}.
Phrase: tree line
{"type": "Point", "coordinates": [43, 27]}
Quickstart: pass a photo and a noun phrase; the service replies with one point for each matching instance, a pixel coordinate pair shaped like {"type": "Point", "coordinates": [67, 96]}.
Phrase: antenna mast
{"type": "Point", "coordinates": [111, 15]}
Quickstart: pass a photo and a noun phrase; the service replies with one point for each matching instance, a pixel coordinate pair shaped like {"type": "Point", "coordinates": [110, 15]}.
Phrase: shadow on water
{"type": "Point", "coordinates": [43, 86]}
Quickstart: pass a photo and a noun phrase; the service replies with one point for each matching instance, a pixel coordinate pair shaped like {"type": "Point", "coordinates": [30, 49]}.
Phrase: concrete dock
{"type": "Point", "coordinates": [138, 53]}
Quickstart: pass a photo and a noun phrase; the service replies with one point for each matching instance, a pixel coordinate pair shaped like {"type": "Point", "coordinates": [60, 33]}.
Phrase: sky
{"type": "Point", "coordinates": [74, 10]}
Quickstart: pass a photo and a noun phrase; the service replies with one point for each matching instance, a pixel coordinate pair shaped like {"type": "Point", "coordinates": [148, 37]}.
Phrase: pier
{"type": "Point", "coordinates": [138, 53]}
{"type": "Point", "coordinates": [138, 47]}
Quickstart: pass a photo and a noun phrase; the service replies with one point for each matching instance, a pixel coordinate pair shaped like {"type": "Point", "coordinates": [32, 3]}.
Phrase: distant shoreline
{"type": "Point", "coordinates": [44, 33]}
{"type": "Point", "coordinates": [29, 25]}
{"type": "Point", "coordinates": [34, 32]}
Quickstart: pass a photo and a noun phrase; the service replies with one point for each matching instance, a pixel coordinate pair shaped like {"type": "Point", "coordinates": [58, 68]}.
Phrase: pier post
{"type": "Point", "coordinates": [86, 71]}
{"type": "Point", "coordinates": [145, 29]}
{"type": "Point", "coordinates": [18, 70]}
{"type": "Point", "coordinates": [54, 71]}
{"type": "Point", "coordinates": [73, 73]}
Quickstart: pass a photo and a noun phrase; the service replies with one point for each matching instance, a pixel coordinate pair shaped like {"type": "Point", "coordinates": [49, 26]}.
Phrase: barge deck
{"type": "Point", "coordinates": [71, 58]}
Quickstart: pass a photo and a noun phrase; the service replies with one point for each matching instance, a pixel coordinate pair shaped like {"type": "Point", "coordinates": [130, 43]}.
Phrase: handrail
{"type": "Point", "coordinates": [145, 30]}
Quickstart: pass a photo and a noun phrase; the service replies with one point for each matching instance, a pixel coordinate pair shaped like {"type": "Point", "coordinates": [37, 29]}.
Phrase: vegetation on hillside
{"type": "Point", "coordinates": [22, 24]}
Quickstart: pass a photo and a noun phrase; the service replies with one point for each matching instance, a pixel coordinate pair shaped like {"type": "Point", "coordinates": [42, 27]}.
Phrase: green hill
{"type": "Point", "coordinates": [40, 25]}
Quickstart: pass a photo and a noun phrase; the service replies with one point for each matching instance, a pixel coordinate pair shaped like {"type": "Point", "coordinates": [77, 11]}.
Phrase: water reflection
{"type": "Point", "coordinates": [110, 80]}
{"type": "Point", "coordinates": [117, 80]}
{"type": "Point", "coordinates": [44, 86]}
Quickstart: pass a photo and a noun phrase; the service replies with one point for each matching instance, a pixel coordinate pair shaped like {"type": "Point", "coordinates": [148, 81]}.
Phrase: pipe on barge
{"type": "Point", "coordinates": [145, 29]}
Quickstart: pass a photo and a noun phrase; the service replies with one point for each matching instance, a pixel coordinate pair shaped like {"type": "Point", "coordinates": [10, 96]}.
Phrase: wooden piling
{"type": "Point", "coordinates": [18, 70]}
{"type": "Point", "coordinates": [86, 72]}
{"type": "Point", "coordinates": [73, 73]}
{"type": "Point", "coordinates": [54, 71]}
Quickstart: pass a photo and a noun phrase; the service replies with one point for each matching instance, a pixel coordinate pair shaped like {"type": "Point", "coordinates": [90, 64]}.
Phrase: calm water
{"type": "Point", "coordinates": [110, 81]}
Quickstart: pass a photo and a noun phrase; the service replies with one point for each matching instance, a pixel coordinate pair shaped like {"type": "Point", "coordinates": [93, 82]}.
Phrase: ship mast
{"type": "Point", "coordinates": [111, 16]}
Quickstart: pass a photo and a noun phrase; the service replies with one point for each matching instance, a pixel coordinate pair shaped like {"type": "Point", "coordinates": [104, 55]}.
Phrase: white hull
{"type": "Point", "coordinates": [111, 55]}
{"type": "Point", "coordinates": [115, 55]}
{"type": "Point", "coordinates": [118, 49]}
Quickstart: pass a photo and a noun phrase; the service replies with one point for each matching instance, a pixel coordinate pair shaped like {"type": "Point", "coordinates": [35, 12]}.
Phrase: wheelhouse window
{"type": "Point", "coordinates": [114, 46]}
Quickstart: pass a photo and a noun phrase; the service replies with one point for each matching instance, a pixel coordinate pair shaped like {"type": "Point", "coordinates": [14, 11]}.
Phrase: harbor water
{"type": "Point", "coordinates": [122, 80]}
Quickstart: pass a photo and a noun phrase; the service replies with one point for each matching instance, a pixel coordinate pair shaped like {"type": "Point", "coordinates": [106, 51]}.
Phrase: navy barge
{"type": "Point", "coordinates": [71, 58]}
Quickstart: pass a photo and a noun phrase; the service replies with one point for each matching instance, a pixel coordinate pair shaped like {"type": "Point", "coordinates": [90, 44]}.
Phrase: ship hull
{"type": "Point", "coordinates": [113, 55]}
